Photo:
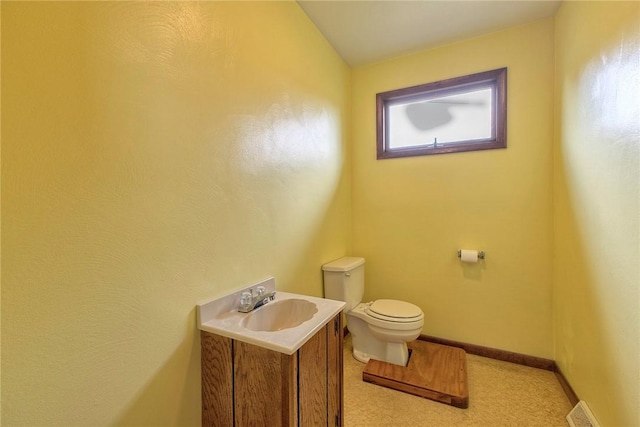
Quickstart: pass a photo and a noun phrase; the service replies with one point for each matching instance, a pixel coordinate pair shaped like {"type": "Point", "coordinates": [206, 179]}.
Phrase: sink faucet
{"type": "Point", "coordinates": [254, 298]}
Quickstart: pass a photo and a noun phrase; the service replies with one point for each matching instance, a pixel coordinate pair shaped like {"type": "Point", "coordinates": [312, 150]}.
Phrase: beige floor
{"type": "Point", "coordinates": [500, 394]}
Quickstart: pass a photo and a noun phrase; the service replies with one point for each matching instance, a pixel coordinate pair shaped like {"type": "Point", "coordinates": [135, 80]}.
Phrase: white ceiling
{"type": "Point", "coordinates": [363, 32]}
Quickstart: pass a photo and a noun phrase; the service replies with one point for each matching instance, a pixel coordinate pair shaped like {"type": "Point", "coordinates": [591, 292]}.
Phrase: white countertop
{"type": "Point", "coordinates": [221, 316]}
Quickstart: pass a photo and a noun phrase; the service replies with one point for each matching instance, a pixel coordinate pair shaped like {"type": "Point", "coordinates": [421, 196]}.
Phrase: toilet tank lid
{"type": "Point", "coordinates": [343, 264]}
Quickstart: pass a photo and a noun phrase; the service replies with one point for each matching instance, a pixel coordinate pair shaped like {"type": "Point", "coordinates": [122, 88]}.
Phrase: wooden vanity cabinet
{"type": "Point", "coordinates": [247, 385]}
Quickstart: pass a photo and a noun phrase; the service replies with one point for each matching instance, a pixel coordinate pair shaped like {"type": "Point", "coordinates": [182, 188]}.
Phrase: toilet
{"type": "Point", "coordinates": [380, 329]}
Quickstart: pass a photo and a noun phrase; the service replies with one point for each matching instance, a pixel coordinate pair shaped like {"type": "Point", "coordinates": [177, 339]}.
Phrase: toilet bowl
{"type": "Point", "coordinates": [380, 329]}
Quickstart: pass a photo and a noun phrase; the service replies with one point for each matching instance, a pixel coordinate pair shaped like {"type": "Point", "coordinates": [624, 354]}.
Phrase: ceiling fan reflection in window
{"type": "Point", "coordinates": [437, 112]}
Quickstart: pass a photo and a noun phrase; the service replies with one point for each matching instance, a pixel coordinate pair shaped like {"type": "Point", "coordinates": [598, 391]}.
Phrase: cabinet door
{"type": "Point", "coordinates": [320, 364]}
{"type": "Point", "coordinates": [217, 380]}
{"type": "Point", "coordinates": [313, 384]}
{"type": "Point", "coordinates": [265, 387]}
{"type": "Point", "coordinates": [335, 371]}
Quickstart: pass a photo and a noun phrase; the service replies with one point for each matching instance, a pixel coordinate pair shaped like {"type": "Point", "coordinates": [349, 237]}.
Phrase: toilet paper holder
{"type": "Point", "coordinates": [480, 254]}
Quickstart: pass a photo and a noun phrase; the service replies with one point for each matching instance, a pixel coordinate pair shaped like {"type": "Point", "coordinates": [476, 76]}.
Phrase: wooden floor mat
{"type": "Point", "coordinates": [434, 371]}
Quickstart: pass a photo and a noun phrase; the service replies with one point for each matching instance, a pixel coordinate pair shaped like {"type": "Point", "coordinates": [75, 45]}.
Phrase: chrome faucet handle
{"type": "Point", "coordinates": [246, 300]}
{"type": "Point", "coordinates": [254, 298]}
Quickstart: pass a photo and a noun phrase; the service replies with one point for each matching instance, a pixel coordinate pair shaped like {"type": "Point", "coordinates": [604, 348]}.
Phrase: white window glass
{"type": "Point", "coordinates": [441, 121]}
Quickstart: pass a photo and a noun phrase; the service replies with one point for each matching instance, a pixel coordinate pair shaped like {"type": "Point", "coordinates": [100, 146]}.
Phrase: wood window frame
{"type": "Point", "coordinates": [496, 79]}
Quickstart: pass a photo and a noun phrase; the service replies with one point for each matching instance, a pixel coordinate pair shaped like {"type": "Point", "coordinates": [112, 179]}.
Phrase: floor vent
{"type": "Point", "coordinates": [581, 416]}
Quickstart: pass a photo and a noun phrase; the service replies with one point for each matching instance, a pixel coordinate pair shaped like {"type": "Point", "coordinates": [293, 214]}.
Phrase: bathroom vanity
{"type": "Point", "coordinates": [265, 368]}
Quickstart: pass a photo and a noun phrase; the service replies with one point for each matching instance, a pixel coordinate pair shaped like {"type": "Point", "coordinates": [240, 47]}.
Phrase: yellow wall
{"type": "Point", "coordinates": [155, 155]}
{"type": "Point", "coordinates": [596, 206]}
{"type": "Point", "coordinates": [410, 215]}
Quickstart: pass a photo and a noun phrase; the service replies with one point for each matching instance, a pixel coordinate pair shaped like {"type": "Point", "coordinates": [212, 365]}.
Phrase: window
{"type": "Point", "coordinates": [460, 114]}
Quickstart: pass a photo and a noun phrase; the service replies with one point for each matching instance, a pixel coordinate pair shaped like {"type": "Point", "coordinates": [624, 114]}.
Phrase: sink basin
{"type": "Point", "coordinates": [279, 315]}
{"type": "Point", "coordinates": [281, 325]}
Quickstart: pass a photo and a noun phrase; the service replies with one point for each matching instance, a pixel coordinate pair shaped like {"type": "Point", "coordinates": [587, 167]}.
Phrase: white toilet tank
{"type": "Point", "coordinates": [344, 281]}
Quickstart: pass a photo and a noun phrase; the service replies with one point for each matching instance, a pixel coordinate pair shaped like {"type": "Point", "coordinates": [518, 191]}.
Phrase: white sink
{"type": "Point", "coordinates": [284, 324]}
{"type": "Point", "coordinates": [279, 315]}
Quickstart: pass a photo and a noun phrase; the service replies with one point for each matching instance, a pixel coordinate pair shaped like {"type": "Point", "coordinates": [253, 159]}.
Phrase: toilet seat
{"type": "Point", "coordinates": [360, 311]}
{"type": "Point", "coordinates": [395, 311]}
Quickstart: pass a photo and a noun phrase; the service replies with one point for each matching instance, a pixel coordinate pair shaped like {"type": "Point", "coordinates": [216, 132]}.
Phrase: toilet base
{"type": "Point", "coordinates": [396, 353]}
{"type": "Point", "coordinates": [361, 356]}
{"type": "Point", "coordinates": [434, 371]}
{"type": "Point", "coordinates": [367, 344]}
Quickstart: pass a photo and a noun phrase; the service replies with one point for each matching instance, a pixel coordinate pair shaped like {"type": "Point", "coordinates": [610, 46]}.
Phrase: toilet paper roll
{"type": "Point", "coordinates": [468, 255]}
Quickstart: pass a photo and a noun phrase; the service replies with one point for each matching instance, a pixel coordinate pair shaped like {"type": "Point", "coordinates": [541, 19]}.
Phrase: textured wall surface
{"type": "Point", "coordinates": [410, 215]}
{"type": "Point", "coordinates": [155, 155]}
{"type": "Point", "coordinates": [597, 206]}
